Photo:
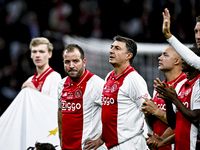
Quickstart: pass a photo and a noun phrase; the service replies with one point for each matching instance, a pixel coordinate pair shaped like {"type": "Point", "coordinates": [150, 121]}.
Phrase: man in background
{"type": "Point", "coordinates": [45, 78]}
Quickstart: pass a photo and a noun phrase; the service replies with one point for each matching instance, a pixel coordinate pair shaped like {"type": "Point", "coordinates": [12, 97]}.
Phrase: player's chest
{"type": "Point", "coordinates": [185, 94]}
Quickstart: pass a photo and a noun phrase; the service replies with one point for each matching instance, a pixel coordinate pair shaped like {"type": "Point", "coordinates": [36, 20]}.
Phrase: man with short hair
{"type": "Point", "coordinates": [186, 54]}
{"type": "Point", "coordinates": [79, 101]}
{"type": "Point", "coordinates": [122, 97]}
{"type": "Point", "coordinates": [155, 110]}
{"type": "Point", "coordinates": [187, 101]}
{"type": "Point", "coordinates": [45, 78]}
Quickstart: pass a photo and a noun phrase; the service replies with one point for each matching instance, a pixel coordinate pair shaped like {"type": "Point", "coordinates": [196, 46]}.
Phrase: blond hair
{"type": "Point", "coordinates": [41, 40]}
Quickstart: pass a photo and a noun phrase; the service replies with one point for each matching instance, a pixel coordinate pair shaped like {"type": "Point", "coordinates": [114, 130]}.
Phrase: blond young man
{"type": "Point", "coordinates": [45, 78]}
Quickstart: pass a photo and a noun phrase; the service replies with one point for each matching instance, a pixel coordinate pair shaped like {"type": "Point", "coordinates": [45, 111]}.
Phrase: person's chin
{"type": "Point", "coordinates": [38, 64]}
{"type": "Point", "coordinates": [111, 62]}
{"type": "Point", "coordinates": [72, 75]}
{"type": "Point", "coordinates": [160, 68]}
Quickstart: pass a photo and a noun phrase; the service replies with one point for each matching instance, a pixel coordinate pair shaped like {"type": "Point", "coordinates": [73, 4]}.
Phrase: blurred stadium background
{"type": "Point", "coordinates": [92, 24]}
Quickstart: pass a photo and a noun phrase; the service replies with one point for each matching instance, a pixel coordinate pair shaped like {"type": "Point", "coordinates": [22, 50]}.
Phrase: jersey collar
{"type": "Point", "coordinates": [124, 72]}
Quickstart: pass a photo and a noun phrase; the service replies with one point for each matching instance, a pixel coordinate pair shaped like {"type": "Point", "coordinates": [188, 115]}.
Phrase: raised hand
{"type": "Point", "coordinates": [166, 24]}
{"type": "Point", "coordinates": [167, 93]}
{"type": "Point", "coordinates": [160, 84]}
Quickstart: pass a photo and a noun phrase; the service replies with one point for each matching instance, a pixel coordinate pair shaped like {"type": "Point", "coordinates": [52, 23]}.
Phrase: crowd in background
{"type": "Point", "coordinates": [21, 20]}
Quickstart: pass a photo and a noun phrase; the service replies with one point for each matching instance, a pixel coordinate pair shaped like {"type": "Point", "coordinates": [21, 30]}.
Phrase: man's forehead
{"type": "Point", "coordinates": [169, 49]}
{"type": "Point", "coordinates": [197, 27]}
{"type": "Point", "coordinates": [119, 43]}
{"type": "Point", "coordinates": [72, 54]}
{"type": "Point", "coordinates": [75, 51]}
{"type": "Point", "coordinates": [40, 46]}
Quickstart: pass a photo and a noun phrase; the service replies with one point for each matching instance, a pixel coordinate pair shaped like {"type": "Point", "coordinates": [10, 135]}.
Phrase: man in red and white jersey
{"type": "Point", "coordinates": [79, 100]}
{"type": "Point", "coordinates": [122, 98]}
{"type": "Point", "coordinates": [155, 110]}
{"type": "Point", "coordinates": [185, 120]}
{"type": "Point", "coordinates": [45, 78]}
{"type": "Point", "coordinates": [186, 54]}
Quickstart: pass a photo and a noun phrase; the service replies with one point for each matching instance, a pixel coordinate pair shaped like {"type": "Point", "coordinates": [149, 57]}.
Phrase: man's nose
{"type": "Point", "coordinates": [160, 57]}
{"type": "Point", "coordinates": [71, 65]}
{"type": "Point", "coordinates": [111, 50]}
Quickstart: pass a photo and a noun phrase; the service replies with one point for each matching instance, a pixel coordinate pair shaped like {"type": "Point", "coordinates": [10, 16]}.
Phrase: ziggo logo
{"type": "Point", "coordinates": [161, 106]}
{"type": "Point", "coordinates": [107, 100]}
{"type": "Point", "coordinates": [70, 106]}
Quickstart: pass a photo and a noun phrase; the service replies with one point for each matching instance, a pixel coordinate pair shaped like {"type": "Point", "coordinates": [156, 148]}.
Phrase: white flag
{"type": "Point", "coordinates": [30, 118]}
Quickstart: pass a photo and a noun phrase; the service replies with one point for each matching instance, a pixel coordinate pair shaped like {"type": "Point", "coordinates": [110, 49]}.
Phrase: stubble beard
{"type": "Point", "coordinates": [76, 75]}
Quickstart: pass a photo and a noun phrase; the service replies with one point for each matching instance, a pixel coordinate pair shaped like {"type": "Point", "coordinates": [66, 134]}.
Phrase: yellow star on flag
{"type": "Point", "coordinates": [53, 132]}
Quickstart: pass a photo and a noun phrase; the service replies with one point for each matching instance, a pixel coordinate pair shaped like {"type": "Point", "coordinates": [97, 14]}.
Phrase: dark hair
{"type": "Point", "coordinates": [72, 47]}
{"type": "Point", "coordinates": [198, 19]}
{"type": "Point", "coordinates": [44, 146]}
{"type": "Point", "coordinates": [130, 45]}
{"type": "Point", "coordinates": [195, 49]}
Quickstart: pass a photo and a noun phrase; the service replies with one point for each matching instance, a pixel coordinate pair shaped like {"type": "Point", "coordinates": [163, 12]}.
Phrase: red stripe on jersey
{"type": "Point", "coordinates": [38, 82]}
{"type": "Point", "coordinates": [159, 127]}
{"type": "Point", "coordinates": [110, 107]}
{"type": "Point", "coordinates": [72, 112]}
{"type": "Point", "coordinates": [183, 126]}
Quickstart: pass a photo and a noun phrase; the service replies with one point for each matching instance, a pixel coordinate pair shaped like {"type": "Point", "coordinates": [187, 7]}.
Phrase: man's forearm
{"type": "Point", "coordinates": [186, 54]}
{"type": "Point", "coordinates": [167, 141]}
{"type": "Point", "coordinates": [161, 115]}
{"type": "Point", "coordinates": [168, 132]}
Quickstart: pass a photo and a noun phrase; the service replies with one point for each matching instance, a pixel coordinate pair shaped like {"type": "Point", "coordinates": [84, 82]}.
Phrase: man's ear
{"type": "Point", "coordinates": [84, 62]}
{"type": "Point", "coordinates": [177, 61]}
{"type": "Point", "coordinates": [50, 54]}
{"type": "Point", "coordinates": [129, 56]}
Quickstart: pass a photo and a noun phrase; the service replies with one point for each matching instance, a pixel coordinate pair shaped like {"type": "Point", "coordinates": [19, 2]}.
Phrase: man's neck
{"type": "Point", "coordinates": [42, 69]}
{"type": "Point", "coordinates": [170, 76]}
{"type": "Point", "coordinates": [119, 69]}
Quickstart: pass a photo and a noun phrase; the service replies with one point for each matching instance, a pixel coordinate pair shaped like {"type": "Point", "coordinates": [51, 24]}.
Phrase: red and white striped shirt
{"type": "Point", "coordinates": [122, 98]}
{"type": "Point", "coordinates": [80, 103]}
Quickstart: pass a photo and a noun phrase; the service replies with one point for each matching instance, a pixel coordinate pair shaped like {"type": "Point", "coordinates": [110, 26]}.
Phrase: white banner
{"type": "Point", "coordinates": [30, 118]}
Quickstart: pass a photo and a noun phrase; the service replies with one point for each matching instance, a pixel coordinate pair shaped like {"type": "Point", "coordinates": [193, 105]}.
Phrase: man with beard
{"type": "Point", "coordinates": [79, 100]}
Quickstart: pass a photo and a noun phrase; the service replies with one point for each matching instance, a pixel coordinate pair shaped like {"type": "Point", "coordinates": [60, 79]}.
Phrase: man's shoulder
{"type": "Point", "coordinates": [30, 78]}
{"type": "Point", "coordinates": [134, 75]}
{"type": "Point", "coordinates": [95, 79]}
{"type": "Point", "coordinates": [61, 84]}
{"type": "Point", "coordinates": [54, 76]}
{"type": "Point", "coordinates": [55, 73]}
{"type": "Point", "coordinates": [62, 81]}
